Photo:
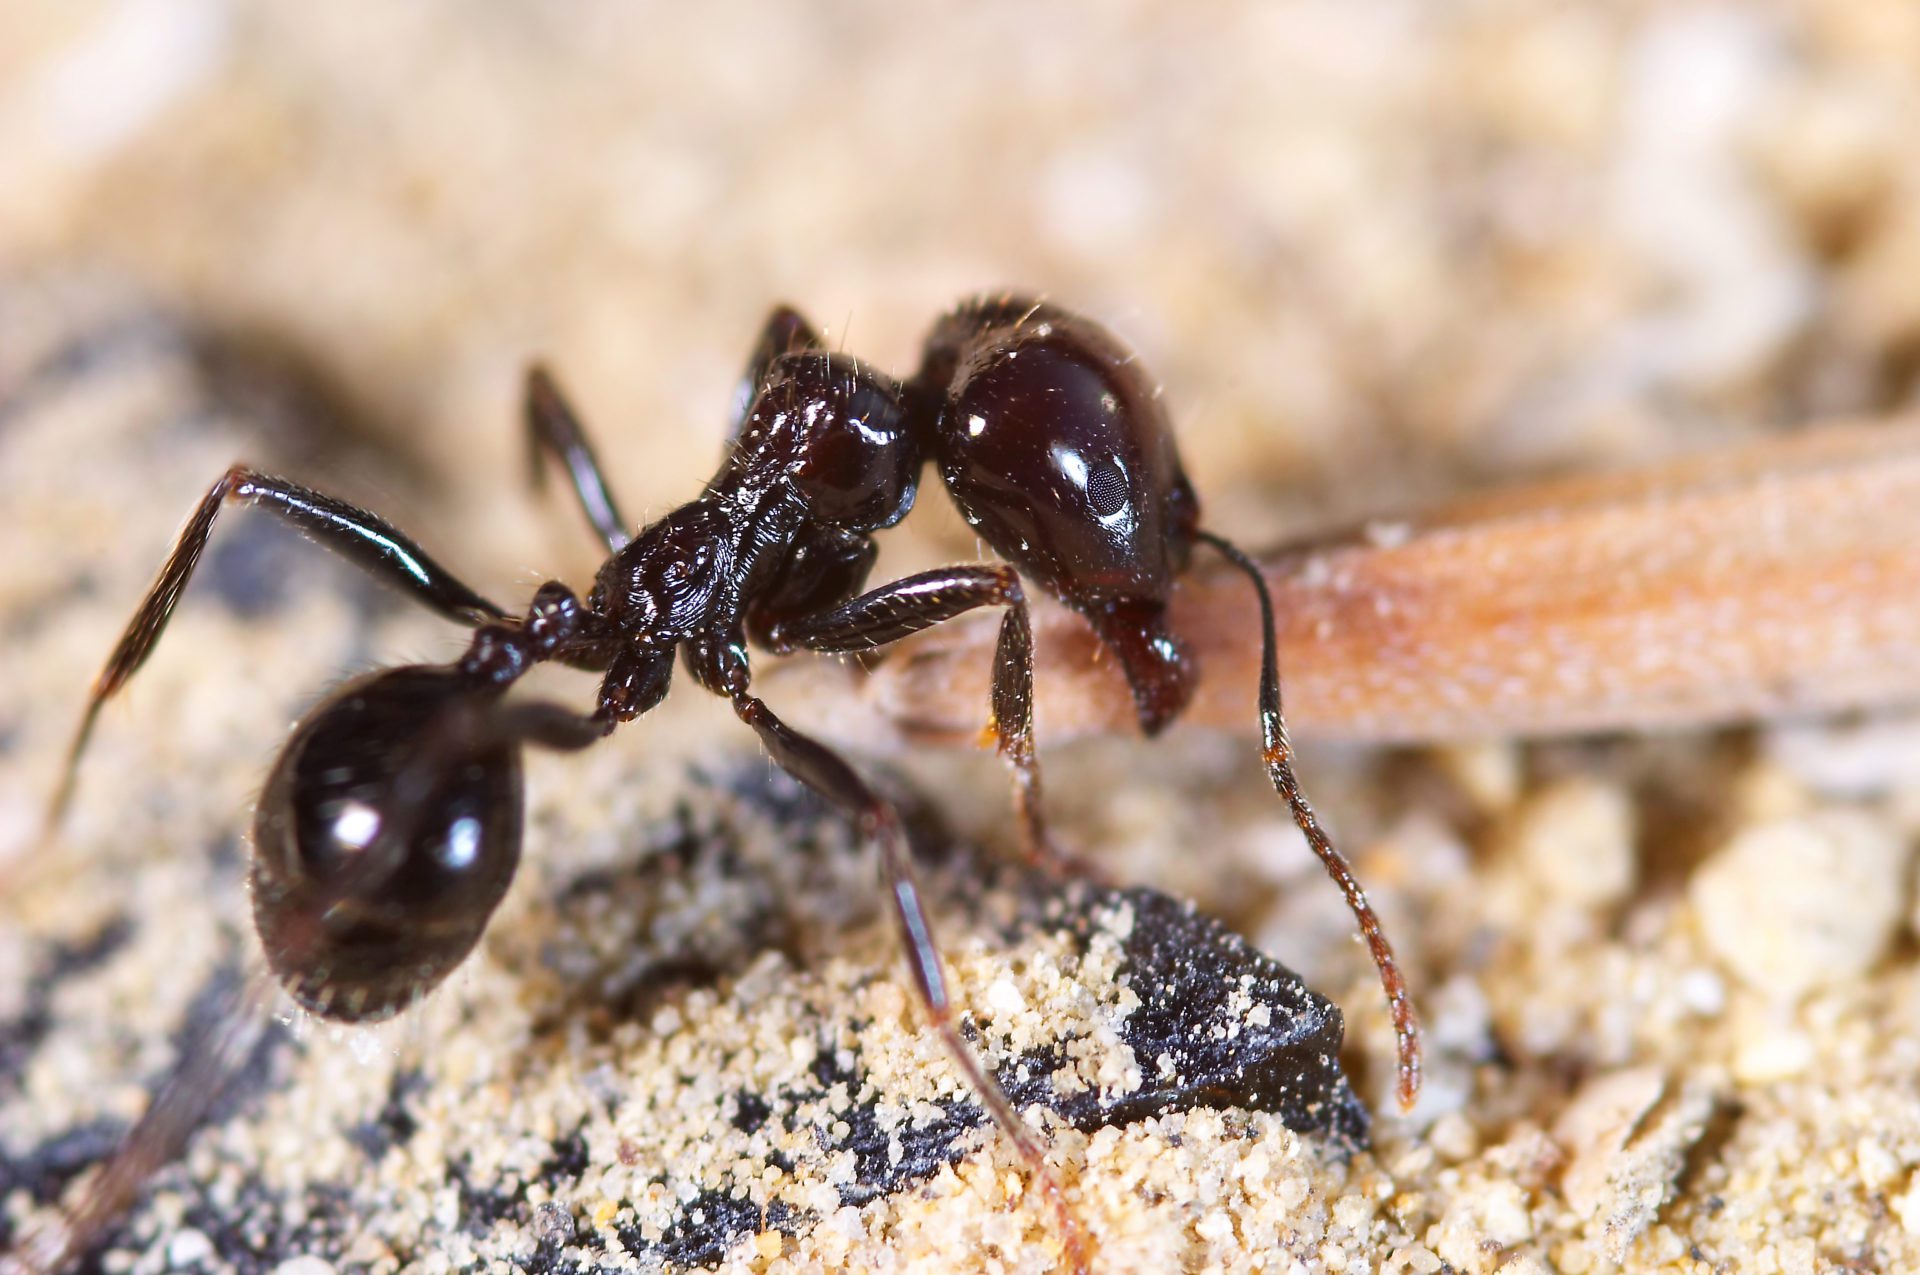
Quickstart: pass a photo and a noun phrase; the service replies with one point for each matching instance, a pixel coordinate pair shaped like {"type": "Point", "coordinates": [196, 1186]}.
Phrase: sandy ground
{"type": "Point", "coordinates": [1378, 254]}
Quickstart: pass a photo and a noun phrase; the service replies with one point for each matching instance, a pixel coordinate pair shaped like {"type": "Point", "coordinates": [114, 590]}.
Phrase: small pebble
{"type": "Point", "coordinates": [1765, 792]}
{"type": "Point", "coordinates": [553, 1224]}
{"type": "Point", "coordinates": [1004, 998]}
{"type": "Point", "coordinates": [1454, 1136]}
{"type": "Point", "coordinates": [1480, 1226]}
{"type": "Point", "coordinates": [1771, 1054]}
{"type": "Point", "coordinates": [304, 1266]}
{"type": "Point", "coordinates": [1627, 1134]}
{"type": "Point", "coordinates": [1804, 902]}
{"type": "Point", "coordinates": [1414, 1259]}
{"type": "Point", "coordinates": [189, 1247]}
{"type": "Point", "coordinates": [1575, 840]}
{"type": "Point", "coordinates": [1906, 1206]}
{"type": "Point", "coordinates": [1702, 991]}
{"type": "Point", "coordinates": [1595, 1128]}
{"type": "Point", "coordinates": [1875, 1164]}
{"type": "Point", "coordinates": [1488, 773]}
{"type": "Point", "coordinates": [1354, 1212]}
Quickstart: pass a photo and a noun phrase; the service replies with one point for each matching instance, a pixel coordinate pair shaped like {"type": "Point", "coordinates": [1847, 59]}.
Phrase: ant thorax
{"type": "Point", "coordinates": [824, 454]}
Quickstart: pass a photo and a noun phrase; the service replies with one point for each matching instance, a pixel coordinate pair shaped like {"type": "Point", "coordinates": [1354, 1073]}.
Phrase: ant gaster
{"type": "Point", "coordinates": [390, 825]}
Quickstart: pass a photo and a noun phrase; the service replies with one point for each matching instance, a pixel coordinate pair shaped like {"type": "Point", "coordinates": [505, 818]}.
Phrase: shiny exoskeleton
{"type": "Point", "coordinates": [390, 826]}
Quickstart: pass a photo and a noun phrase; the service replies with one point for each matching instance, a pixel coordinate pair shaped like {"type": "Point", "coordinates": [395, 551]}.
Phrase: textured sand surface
{"type": "Point", "coordinates": [1378, 254]}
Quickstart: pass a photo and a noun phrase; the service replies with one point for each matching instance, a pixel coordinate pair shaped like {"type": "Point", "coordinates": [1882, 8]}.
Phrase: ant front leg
{"type": "Point", "coordinates": [553, 427]}
{"type": "Point", "coordinates": [367, 540]}
{"type": "Point", "coordinates": [824, 771]}
{"type": "Point", "coordinates": [918, 602]}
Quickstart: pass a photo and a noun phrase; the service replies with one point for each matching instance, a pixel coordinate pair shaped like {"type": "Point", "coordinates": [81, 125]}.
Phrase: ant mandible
{"type": "Point", "coordinates": [390, 825]}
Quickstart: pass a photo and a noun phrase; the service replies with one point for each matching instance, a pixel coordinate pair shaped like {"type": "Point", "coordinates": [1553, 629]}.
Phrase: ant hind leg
{"type": "Point", "coordinates": [214, 1053]}
{"type": "Point", "coordinates": [365, 539]}
{"type": "Point", "coordinates": [785, 331]}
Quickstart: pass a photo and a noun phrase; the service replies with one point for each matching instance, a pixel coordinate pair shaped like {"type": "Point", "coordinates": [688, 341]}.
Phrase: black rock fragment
{"type": "Point", "coordinates": [1235, 1027]}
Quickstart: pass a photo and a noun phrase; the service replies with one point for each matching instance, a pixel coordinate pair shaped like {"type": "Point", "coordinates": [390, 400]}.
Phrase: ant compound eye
{"type": "Point", "coordinates": [1107, 492]}
{"type": "Point", "coordinates": [382, 845]}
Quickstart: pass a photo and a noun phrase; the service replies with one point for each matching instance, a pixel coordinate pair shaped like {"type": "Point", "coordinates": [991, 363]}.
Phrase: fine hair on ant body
{"type": "Point", "coordinates": [390, 824]}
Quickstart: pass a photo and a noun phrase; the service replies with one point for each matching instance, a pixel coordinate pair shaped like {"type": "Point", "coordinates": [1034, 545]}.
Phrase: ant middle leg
{"type": "Point", "coordinates": [785, 332]}
{"type": "Point", "coordinates": [917, 602]}
{"type": "Point", "coordinates": [824, 771]}
{"type": "Point", "coordinates": [367, 540]}
{"type": "Point", "coordinates": [553, 428]}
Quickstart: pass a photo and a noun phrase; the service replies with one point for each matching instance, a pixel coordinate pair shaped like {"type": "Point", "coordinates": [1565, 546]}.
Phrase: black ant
{"type": "Point", "coordinates": [390, 825]}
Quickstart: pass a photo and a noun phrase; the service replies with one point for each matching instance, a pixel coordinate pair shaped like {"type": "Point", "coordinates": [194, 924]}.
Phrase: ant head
{"type": "Point", "coordinates": [383, 842]}
{"type": "Point", "coordinates": [1055, 446]}
{"type": "Point", "coordinates": [835, 431]}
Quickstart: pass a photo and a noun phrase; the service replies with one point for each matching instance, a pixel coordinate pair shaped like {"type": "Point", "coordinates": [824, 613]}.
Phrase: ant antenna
{"type": "Point", "coordinates": [1277, 751]}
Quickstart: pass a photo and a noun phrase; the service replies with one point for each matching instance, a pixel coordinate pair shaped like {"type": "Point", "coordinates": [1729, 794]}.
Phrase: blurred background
{"type": "Point", "coordinates": [1378, 253]}
{"type": "Point", "coordinates": [1375, 251]}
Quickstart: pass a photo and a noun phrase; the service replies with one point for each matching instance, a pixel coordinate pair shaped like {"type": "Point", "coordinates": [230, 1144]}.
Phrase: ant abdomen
{"type": "Point", "coordinates": [387, 834]}
{"type": "Point", "coordinates": [1056, 447]}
